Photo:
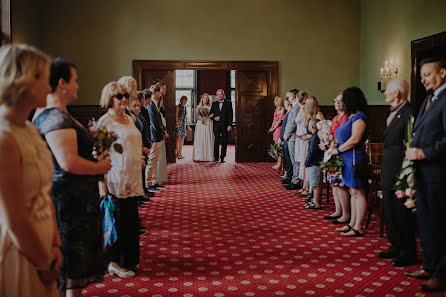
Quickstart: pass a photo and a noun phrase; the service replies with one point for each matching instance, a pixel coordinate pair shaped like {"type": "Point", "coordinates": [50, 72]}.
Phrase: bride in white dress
{"type": "Point", "coordinates": [204, 137]}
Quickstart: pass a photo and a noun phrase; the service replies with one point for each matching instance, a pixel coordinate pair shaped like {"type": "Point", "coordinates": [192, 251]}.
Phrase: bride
{"type": "Point", "coordinates": [203, 138]}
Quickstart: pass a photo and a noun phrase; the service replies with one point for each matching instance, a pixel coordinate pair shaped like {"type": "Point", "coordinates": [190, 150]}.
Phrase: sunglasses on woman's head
{"type": "Point", "coordinates": [120, 96]}
{"type": "Point", "coordinates": [337, 100]}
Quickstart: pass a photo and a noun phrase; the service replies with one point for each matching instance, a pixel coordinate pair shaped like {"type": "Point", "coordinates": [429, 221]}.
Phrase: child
{"type": "Point", "coordinates": [314, 157]}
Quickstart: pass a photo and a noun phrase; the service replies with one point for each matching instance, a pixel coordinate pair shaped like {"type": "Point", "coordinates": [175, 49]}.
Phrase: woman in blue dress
{"type": "Point", "coordinates": [351, 137]}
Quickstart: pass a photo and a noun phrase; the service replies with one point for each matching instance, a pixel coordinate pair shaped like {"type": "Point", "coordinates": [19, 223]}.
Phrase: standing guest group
{"type": "Point", "coordinates": [54, 236]}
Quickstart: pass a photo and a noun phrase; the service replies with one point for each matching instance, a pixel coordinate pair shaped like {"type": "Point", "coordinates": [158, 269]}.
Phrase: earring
{"type": "Point", "coordinates": [64, 91]}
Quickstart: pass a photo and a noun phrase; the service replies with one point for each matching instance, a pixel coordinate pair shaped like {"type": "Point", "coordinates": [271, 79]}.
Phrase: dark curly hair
{"type": "Point", "coordinates": [354, 100]}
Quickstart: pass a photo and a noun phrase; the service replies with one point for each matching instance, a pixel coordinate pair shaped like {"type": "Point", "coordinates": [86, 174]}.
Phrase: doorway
{"type": "Point", "coordinates": [256, 85]}
{"type": "Point", "coordinates": [193, 84]}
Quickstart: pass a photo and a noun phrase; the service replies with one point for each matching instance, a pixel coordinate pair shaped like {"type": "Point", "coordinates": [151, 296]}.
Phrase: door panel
{"type": "Point", "coordinates": [167, 77]}
{"type": "Point", "coordinates": [252, 115]}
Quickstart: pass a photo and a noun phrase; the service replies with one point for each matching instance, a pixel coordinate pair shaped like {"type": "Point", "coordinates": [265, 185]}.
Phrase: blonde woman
{"type": "Point", "coordinates": [203, 138]}
{"type": "Point", "coordinates": [30, 254]}
{"type": "Point", "coordinates": [310, 111]}
{"type": "Point", "coordinates": [279, 115]}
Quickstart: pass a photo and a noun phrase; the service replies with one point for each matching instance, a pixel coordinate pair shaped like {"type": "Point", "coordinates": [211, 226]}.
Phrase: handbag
{"type": "Point", "coordinates": [361, 170]}
{"type": "Point", "coordinates": [109, 226]}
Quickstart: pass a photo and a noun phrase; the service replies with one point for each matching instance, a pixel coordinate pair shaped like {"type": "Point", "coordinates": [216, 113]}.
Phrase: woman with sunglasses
{"type": "Point", "coordinates": [75, 183]}
{"type": "Point", "coordinates": [123, 181]}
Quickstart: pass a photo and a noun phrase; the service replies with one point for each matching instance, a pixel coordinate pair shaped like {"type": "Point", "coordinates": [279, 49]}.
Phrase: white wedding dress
{"type": "Point", "coordinates": [204, 137]}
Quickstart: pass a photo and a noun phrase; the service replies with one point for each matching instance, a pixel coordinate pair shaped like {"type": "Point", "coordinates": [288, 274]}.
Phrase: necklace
{"type": "Point", "coordinates": [123, 119]}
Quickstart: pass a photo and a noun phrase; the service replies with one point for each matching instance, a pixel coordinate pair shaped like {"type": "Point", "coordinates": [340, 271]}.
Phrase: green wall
{"type": "Point", "coordinates": [26, 22]}
{"type": "Point", "coordinates": [316, 42]}
{"type": "Point", "coordinates": [387, 28]}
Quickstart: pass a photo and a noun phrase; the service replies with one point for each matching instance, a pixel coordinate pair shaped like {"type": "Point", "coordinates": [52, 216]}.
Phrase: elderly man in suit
{"type": "Point", "coordinates": [221, 115]}
{"type": "Point", "coordinates": [399, 219]}
{"type": "Point", "coordinates": [290, 137]}
{"type": "Point", "coordinates": [429, 153]}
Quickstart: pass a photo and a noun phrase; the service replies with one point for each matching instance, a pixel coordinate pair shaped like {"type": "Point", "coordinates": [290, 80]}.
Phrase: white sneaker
{"type": "Point", "coordinates": [112, 270]}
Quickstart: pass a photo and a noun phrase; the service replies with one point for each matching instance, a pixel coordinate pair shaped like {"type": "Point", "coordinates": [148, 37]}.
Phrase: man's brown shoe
{"type": "Point", "coordinates": [418, 274]}
{"type": "Point", "coordinates": [434, 285]}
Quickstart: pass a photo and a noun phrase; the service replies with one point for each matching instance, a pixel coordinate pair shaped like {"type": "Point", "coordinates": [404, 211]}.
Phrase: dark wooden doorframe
{"type": "Point", "coordinates": [434, 45]}
{"type": "Point", "coordinates": [139, 66]}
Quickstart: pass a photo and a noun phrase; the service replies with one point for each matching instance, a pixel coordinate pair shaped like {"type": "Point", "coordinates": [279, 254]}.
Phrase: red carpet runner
{"type": "Point", "coordinates": [231, 230]}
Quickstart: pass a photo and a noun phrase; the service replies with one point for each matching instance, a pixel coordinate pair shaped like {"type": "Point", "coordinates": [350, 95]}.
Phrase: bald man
{"type": "Point", "coordinates": [399, 220]}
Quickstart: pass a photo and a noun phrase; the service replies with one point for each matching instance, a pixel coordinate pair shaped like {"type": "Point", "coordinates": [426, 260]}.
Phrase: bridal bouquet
{"type": "Point", "coordinates": [405, 184]}
{"type": "Point", "coordinates": [275, 151]}
{"type": "Point", "coordinates": [203, 113]}
{"type": "Point", "coordinates": [102, 140]}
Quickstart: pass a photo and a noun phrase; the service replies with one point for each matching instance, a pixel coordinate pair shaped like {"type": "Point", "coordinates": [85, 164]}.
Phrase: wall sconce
{"type": "Point", "coordinates": [388, 72]}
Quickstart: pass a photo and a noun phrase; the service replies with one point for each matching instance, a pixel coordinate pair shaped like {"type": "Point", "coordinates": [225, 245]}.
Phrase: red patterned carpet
{"type": "Point", "coordinates": [231, 230]}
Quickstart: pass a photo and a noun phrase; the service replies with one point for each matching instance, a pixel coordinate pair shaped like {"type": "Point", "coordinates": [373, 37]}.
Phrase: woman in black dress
{"type": "Point", "coordinates": [75, 184]}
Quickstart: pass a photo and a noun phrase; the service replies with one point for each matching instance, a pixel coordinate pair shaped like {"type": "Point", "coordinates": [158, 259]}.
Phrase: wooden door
{"type": "Point", "coordinates": [148, 77]}
{"type": "Point", "coordinates": [252, 115]}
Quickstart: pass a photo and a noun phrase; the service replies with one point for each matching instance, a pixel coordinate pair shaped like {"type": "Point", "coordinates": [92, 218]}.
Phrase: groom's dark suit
{"type": "Point", "coordinates": [399, 220]}
{"type": "Point", "coordinates": [430, 135]}
{"type": "Point", "coordinates": [221, 127]}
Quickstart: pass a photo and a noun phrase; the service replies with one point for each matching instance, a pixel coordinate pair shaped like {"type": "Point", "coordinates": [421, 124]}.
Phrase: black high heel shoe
{"type": "Point", "coordinates": [339, 222]}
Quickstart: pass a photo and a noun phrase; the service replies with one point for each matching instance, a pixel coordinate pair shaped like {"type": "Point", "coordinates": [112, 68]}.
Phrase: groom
{"type": "Point", "coordinates": [221, 115]}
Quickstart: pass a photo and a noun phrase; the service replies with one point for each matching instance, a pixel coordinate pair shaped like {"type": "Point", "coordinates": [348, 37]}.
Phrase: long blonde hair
{"type": "Point", "coordinates": [202, 100]}
{"type": "Point", "coordinates": [311, 109]}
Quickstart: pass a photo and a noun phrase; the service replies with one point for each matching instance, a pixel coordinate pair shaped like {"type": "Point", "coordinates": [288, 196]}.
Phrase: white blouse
{"type": "Point", "coordinates": [124, 178]}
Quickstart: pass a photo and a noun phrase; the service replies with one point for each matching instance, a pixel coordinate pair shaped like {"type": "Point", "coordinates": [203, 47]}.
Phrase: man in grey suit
{"type": "Point", "coordinates": [290, 137]}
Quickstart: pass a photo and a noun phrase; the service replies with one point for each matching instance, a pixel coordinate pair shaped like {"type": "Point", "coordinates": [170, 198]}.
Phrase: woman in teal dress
{"type": "Point", "coordinates": [75, 183]}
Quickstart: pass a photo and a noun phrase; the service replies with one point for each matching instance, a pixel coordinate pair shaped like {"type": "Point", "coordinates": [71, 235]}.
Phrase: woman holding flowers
{"type": "Point", "coordinates": [351, 139]}
{"type": "Point", "coordinates": [123, 181]}
{"type": "Point", "coordinates": [75, 183]}
{"type": "Point", "coordinates": [279, 115]}
{"type": "Point", "coordinates": [204, 137]}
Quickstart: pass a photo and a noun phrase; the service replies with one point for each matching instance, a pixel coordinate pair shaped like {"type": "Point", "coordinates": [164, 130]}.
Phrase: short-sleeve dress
{"type": "Point", "coordinates": [278, 116]}
{"type": "Point", "coordinates": [342, 134]}
{"type": "Point", "coordinates": [76, 199]}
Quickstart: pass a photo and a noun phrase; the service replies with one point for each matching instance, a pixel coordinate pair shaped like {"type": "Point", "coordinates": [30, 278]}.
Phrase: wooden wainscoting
{"type": "Point", "coordinates": [377, 115]}
{"type": "Point", "coordinates": [84, 113]}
